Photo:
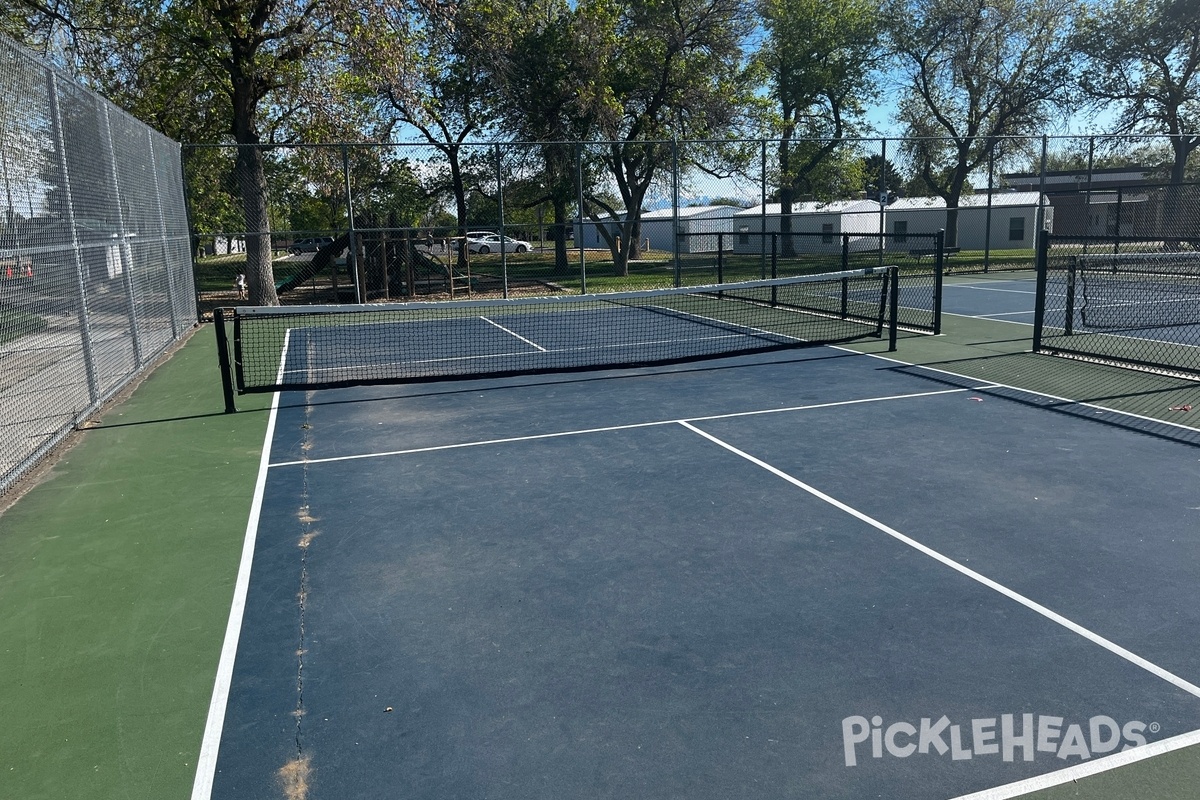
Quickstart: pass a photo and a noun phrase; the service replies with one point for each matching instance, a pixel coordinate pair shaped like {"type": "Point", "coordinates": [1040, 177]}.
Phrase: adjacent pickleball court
{"type": "Point", "coordinates": [797, 573]}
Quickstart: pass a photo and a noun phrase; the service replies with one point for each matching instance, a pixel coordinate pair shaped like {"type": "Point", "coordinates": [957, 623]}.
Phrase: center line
{"type": "Point", "coordinates": [514, 334]}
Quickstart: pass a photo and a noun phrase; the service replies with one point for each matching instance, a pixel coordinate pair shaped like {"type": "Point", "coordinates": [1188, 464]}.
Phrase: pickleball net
{"type": "Point", "coordinates": [305, 347]}
{"type": "Point", "coordinates": [1139, 308]}
{"type": "Point", "coordinates": [1131, 291]}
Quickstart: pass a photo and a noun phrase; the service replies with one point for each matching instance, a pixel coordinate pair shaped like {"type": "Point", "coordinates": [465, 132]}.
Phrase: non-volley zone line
{"type": "Point", "coordinates": [628, 426]}
{"type": "Point", "coordinates": [984, 288]}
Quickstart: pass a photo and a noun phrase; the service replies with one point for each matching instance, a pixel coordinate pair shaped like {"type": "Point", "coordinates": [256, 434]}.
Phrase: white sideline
{"type": "Point", "coordinates": [1058, 778]}
{"type": "Point", "coordinates": [206, 763]}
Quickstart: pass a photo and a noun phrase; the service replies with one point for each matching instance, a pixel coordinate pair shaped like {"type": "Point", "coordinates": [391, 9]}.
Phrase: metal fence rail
{"type": "Point", "coordinates": [95, 261]}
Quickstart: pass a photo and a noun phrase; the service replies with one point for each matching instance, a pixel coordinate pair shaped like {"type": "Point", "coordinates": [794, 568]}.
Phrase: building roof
{"type": "Point", "coordinates": [1009, 199]}
{"type": "Point", "coordinates": [689, 211]}
{"type": "Point", "coordinates": [916, 203]}
{"type": "Point", "coordinates": [1080, 177]}
{"type": "Point", "coordinates": [815, 207]}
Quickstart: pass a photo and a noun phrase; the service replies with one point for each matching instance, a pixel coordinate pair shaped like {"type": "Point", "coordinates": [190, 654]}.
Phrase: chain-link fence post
{"type": "Point", "coordinates": [762, 213]}
{"type": "Point", "coordinates": [1041, 205]}
{"type": "Point", "coordinates": [675, 232]}
{"type": "Point", "coordinates": [883, 197]}
{"type": "Point", "coordinates": [1087, 197]}
{"type": "Point", "coordinates": [162, 231]}
{"type": "Point", "coordinates": [500, 214]}
{"type": "Point", "coordinates": [123, 250]}
{"type": "Point", "coordinates": [579, 243]}
{"type": "Point", "coordinates": [991, 190]}
{"type": "Point", "coordinates": [85, 331]}
{"type": "Point", "coordinates": [360, 294]}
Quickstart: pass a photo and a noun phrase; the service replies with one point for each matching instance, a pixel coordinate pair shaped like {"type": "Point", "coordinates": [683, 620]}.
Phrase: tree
{"type": "Point", "coordinates": [976, 70]}
{"type": "Point", "coordinates": [664, 70]}
{"type": "Point", "coordinates": [233, 63]}
{"type": "Point", "coordinates": [883, 179]}
{"type": "Point", "coordinates": [538, 81]}
{"type": "Point", "coordinates": [427, 66]}
{"type": "Point", "coordinates": [1144, 57]}
{"type": "Point", "coordinates": [819, 58]}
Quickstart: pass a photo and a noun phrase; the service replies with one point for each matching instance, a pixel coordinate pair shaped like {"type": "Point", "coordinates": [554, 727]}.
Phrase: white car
{"type": "Point", "coordinates": [492, 243]}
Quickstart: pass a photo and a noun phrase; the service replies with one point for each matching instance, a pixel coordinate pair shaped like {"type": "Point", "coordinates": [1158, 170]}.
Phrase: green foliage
{"type": "Point", "coordinates": [1143, 57]}
{"type": "Point", "coordinates": [15, 324]}
{"type": "Point", "coordinates": [976, 70]}
{"type": "Point", "coordinates": [880, 175]}
{"type": "Point", "coordinates": [659, 70]}
{"type": "Point", "coordinates": [212, 190]}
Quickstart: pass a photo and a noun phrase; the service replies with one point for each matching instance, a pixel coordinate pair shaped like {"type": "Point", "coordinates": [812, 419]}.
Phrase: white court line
{"type": "Point", "coordinates": [1062, 776]}
{"type": "Point", "coordinates": [206, 764]}
{"type": "Point", "coordinates": [514, 334]}
{"type": "Point", "coordinates": [980, 316]}
{"type": "Point", "coordinates": [1002, 314]}
{"type": "Point", "coordinates": [631, 426]}
{"type": "Point", "coordinates": [1032, 605]}
{"type": "Point", "coordinates": [981, 288]}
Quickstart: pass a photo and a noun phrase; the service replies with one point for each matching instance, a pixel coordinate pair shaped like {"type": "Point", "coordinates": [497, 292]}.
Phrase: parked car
{"type": "Point", "coordinates": [310, 245]}
{"type": "Point", "coordinates": [492, 243]}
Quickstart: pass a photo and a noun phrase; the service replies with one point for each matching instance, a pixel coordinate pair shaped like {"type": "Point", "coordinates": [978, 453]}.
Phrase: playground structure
{"type": "Point", "coordinates": [388, 264]}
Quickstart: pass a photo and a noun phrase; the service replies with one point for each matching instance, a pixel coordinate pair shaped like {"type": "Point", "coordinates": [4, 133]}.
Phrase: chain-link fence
{"type": "Point", "coordinates": [95, 265]}
{"type": "Point", "coordinates": [360, 222]}
{"type": "Point", "coordinates": [1126, 301]}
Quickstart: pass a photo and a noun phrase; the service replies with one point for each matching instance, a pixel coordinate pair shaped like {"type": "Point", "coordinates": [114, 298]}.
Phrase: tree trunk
{"type": "Point", "coordinates": [558, 232]}
{"type": "Point", "coordinates": [252, 183]}
{"type": "Point", "coordinates": [787, 247]}
{"type": "Point", "coordinates": [787, 195]}
{"type": "Point", "coordinates": [953, 196]}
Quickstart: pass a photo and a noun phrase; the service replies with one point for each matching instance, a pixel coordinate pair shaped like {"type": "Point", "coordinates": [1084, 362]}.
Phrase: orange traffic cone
{"type": "Point", "coordinates": [8, 272]}
{"type": "Point", "coordinates": [29, 270]}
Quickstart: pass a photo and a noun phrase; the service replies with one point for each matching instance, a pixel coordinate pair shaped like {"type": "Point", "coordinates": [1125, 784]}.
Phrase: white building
{"type": "Point", "coordinates": [820, 225]}
{"type": "Point", "coordinates": [1013, 225]}
{"type": "Point", "coordinates": [698, 228]}
{"type": "Point", "coordinates": [588, 232]}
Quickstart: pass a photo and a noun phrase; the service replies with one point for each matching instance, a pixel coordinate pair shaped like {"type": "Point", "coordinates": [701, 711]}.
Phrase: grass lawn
{"type": "Point", "coordinates": [15, 323]}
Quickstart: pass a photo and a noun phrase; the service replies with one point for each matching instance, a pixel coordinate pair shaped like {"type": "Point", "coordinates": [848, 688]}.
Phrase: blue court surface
{"type": "Point", "coordinates": [1004, 299]}
{"type": "Point", "coordinates": [809, 573]}
{"type": "Point", "coordinates": [1012, 300]}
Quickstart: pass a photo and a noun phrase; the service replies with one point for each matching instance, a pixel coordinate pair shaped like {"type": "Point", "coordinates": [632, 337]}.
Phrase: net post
{"type": "Point", "coordinates": [223, 360]}
{"type": "Point", "coordinates": [939, 269]}
{"type": "Point", "coordinates": [1039, 305]}
{"type": "Point", "coordinates": [893, 306]}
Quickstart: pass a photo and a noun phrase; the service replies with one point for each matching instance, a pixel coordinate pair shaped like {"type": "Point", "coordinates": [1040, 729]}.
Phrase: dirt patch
{"type": "Point", "coordinates": [295, 777]}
